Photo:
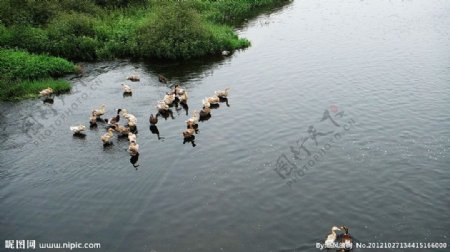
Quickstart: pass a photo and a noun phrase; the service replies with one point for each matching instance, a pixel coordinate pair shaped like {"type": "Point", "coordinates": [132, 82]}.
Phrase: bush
{"type": "Point", "coordinates": [226, 38]}
{"type": "Point", "coordinates": [89, 30]}
{"type": "Point", "coordinates": [13, 12]}
{"type": "Point", "coordinates": [20, 65]}
{"type": "Point", "coordinates": [5, 36]}
{"type": "Point", "coordinates": [79, 6]}
{"type": "Point", "coordinates": [21, 36]}
{"type": "Point", "coordinates": [22, 74]}
{"type": "Point", "coordinates": [116, 33]}
{"type": "Point", "coordinates": [76, 24]}
{"type": "Point", "coordinates": [175, 32]}
{"type": "Point", "coordinates": [72, 36]}
{"type": "Point", "coordinates": [75, 48]}
{"type": "Point", "coordinates": [41, 12]}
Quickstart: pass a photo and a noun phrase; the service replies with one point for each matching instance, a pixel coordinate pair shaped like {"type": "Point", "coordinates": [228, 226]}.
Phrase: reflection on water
{"type": "Point", "coordinates": [215, 106]}
{"type": "Point", "coordinates": [190, 139]}
{"type": "Point", "coordinates": [381, 61]}
{"type": "Point", "coordinates": [185, 71]}
{"type": "Point", "coordinates": [205, 117]}
{"type": "Point", "coordinates": [134, 159]}
{"type": "Point", "coordinates": [48, 100]}
{"type": "Point", "coordinates": [154, 130]}
{"type": "Point", "coordinates": [79, 135]}
{"type": "Point", "coordinates": [223, 99]}
{"type": "Point", "coordinates": [185, 107]}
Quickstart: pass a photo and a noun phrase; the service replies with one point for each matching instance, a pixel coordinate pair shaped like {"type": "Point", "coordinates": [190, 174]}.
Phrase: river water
{"type": "Point", "coordinates": [351, 96]}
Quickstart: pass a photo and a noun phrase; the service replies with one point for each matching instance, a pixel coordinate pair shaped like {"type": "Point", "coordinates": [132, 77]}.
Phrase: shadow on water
{"type": "Point", "coordinates": [92, 71]}
{"type": "Point", "coordinates": [48, 100]}
{"type": "Point", "coordinates": [214, 105]}
{"type": "Point", "coordinates": [134, 159]}
{"type": "Point", "coordinates": [108, 147]}
{"type": "Point", "coordinates": [125, 95]}
{"type": "Point", "coordinates": [222, 99]}
{"type": "Point", "coordinates": [81, 136]}
{"type": "Point", "coordinates": [185, 70]}
{"type": "Point", "coordinates": [154, 130]}
{"type": "Point", "coordinates": [184, 106]}
{"type": "Point", "coordinates": [205, 118]}
{"type": "Point", "coordinates": [190, 139]}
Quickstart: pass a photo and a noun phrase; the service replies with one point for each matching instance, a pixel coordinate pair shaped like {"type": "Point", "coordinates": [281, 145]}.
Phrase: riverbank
{"type": "Point", "coordinates": [99, 30]}
{"type": "Point", "coordinates": [95, 30]}
{"type": "Point", "coordinates": [23, 75]}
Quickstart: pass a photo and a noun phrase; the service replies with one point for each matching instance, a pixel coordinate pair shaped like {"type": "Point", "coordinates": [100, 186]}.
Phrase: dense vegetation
{"type": "Point", "coordinates": [23, 75]}
{"type": "Point", "coordinates": [103, 29]}
{"type": "Point", "coordinates": [89, 30]}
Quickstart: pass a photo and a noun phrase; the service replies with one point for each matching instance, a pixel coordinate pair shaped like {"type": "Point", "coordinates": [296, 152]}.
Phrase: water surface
{"type": "Point", "coordinates": [384, 64]}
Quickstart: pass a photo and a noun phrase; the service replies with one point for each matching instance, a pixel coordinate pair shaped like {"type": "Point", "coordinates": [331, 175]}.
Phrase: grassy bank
{"type": "Point", "coordinates": [23, 75]}
{"type": "Point", "coordinates": [91, 30]}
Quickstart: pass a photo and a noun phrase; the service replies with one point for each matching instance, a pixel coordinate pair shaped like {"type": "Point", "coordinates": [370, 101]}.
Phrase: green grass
{"type": "Point", "coordinates": [23, 75]}
{"type": "Point", "coordinates": [92, 30]}
{"type": "Point", "coordinates": [30, 88]}
{"type": "Point", "coordinates": [22, 65]}
{"type": "Point", "coordinates": [99, 29]}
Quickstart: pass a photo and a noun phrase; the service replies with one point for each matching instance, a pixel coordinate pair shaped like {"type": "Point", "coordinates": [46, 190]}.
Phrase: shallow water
{"type": "Point", "coordinates": [381, 70]}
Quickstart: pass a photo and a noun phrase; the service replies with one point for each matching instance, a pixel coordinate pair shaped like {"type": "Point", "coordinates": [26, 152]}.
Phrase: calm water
{"type": "Point", "coordinates": [384, 64]}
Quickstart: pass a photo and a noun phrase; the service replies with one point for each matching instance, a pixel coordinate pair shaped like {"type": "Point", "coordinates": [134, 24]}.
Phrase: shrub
{"type": "Point", "coordinates": [79, 6]}
{"type": "Point", "coordinates": [226, 38]}
{"type": "Point", "coordinates": [174, 32]}
{"type": "Point", "coordinates": [72, 36]}
{"type": "Point", "coordinates": [5, 36]}
{"type": "Point", "coordinates": [75, 48]}
{"type": "Point", "coordinates": [23, 36]}
{"type": "Point", "coordinates": [116, 33]}
{"type": "Point", "coordinates": [20, 65]}
{"type": "Point", "coordinates": [23, 75]}
{"type": "Point", "coordinates": [13, 12]}
{"type": "Point", "coordinates": [41, 12]}
{"type": "Point", "coordinates": [72, 23]}
{"type": "Point", "coordinates": [104, 29]}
